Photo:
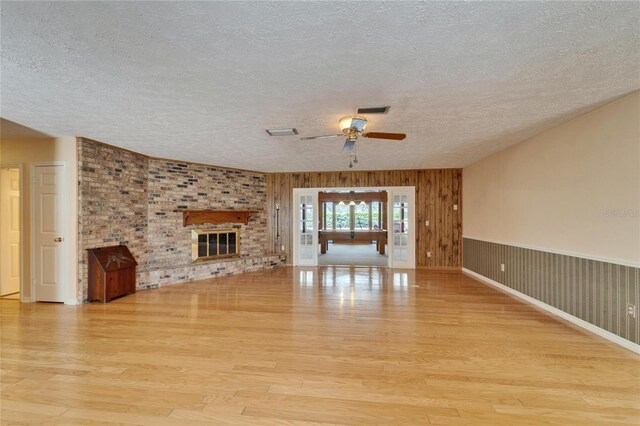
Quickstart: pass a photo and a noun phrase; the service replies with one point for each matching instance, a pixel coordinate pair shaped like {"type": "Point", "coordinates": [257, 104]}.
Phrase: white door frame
{"type": "Point", "coordinates": [295, 211]}
{"type": "Point", "coordinates": [66, 249]}
{"type": "Point", "coordinates": [389, 211]}
{"type": "Point", "coordinates": [410, 191]}
{"type": "Point", "coordinates": [21, 213]}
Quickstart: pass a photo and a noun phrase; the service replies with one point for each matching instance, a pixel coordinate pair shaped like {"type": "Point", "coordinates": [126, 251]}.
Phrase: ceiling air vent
{"type": "Point", "coordinates": [373, 110]}
{"type": "Point", "coordinates": [282, 132]}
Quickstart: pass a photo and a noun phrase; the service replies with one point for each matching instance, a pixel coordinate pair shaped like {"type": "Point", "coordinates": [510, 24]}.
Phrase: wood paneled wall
{"type": "Point", "coordinates": [437, 190]}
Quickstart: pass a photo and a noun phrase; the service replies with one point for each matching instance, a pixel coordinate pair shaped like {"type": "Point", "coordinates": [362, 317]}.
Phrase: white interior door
{"type": "Point", "coordinates": [402, 240]}
{"type": "Point", "coordinates": [9, 231]}
{"type": "Point", "coordinates": [305, 244]}
{"type": "Point", "coordinates": [49, 213]}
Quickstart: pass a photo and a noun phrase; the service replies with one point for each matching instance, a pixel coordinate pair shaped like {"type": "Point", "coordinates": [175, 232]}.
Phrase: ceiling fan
{"type": "Point", "coordinates": [353, 126]}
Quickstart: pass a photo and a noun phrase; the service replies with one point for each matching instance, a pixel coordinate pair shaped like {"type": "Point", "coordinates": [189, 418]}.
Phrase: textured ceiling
{"type": "Point", "coordinates": [201, 81]}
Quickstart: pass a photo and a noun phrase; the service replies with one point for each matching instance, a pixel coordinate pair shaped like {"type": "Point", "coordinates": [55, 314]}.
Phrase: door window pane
{"type": "Point", "coordinates": [401, 227]}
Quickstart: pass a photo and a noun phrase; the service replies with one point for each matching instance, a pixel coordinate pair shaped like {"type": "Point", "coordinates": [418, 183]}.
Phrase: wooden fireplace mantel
{"type": "Point", "coordinates": [196, 217]}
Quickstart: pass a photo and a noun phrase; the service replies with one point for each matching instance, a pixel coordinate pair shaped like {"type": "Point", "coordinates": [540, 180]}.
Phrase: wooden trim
{"type": "Point", "coordinates": [198, 217]}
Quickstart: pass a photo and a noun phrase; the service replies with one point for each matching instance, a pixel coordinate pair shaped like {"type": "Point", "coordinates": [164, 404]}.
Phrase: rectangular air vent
{"type": "Point", "coordinates": [282, 132]}
{"type": "Point", "coordinates": [373, 110]}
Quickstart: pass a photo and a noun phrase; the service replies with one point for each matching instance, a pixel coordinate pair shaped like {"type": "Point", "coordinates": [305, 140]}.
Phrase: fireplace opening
{"type": "Point", "coordinates": [214, 243]}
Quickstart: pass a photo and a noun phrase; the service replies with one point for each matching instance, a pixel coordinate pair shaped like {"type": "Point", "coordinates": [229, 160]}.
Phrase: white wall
{"type": "Point", "coordinates": [27, 152]}
{"type": "Point", "coordinates": [573, 189]}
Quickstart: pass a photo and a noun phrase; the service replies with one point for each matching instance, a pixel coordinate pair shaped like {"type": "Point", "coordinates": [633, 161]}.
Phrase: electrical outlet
{"type": "Point", "coordinates": [282, 247]}
{"type": "Point", "coordinates": [455, 207]}
{"type": "Point", "coordinates": [426, 222]}
{"type": "Point", "coordinates": [631, 311]}
{"type": "Point", "coordinates": [502, 267]}
{"type": "Point", "coordinates": [428, 254]}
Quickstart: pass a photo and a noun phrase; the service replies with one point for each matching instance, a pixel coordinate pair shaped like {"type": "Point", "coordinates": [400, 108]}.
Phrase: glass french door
{"type": "Point", "coordinates": [402, 237]}
{"type": "Point", "coordinates": [305, 226]}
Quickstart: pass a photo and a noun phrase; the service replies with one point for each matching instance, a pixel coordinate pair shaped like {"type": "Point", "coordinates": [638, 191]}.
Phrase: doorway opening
{"type": "Point", "coordinates": [352, 228]}
{"type": "Point", "coordinates": [372, 226]}
{"type": "Point", "coordinates": [10, 232]}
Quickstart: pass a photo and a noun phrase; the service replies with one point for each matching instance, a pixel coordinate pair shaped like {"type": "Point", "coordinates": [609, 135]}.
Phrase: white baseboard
{"type": "Point", "coordinates": [555, 311]}
{"type": "Point", "coordinates": [25, 299]}
{"type": "Point", "coordinates": [71, 302]}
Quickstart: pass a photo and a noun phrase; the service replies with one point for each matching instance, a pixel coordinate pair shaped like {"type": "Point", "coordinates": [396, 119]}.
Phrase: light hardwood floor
{"type": "Point", "coordinates": [329, 345]}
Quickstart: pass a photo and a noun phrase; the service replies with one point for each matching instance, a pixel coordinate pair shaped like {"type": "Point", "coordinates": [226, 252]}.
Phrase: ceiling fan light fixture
{"type": "Point", "coordinates": [362, 203]}
{"type": "Point", "coordinates": [345, 123]}
{"type": "Point", "coordinates": [352, 203]}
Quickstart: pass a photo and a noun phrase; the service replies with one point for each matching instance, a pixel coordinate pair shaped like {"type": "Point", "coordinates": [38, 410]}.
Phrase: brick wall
{"type": "Point", "coordinates": [112, 203]}
{"type": "Point", "coordinates": [177, 185]}
{"type": "Point", "coordinates": [128, 198]}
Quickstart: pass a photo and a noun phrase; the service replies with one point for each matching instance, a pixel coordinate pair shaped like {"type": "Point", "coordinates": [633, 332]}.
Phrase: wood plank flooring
{"type": "Point", "coordinates": [297, 346]}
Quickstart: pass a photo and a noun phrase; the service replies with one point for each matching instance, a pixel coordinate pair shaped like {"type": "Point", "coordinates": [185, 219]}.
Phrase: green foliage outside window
{"type": "Point", "coordinates": [342, 217]}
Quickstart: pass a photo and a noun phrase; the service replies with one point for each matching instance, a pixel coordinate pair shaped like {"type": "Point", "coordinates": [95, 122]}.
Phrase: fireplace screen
{"type": "Point", "coordinates": [214, 243]}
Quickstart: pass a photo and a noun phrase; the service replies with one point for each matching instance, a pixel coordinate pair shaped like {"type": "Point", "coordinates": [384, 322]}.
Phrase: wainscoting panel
{"type": "Point", "coordinates": [595, 291]}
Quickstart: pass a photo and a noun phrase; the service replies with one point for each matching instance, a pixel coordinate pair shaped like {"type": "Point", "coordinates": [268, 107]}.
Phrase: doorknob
{"type": "Point", "coordinates": [57, 240]}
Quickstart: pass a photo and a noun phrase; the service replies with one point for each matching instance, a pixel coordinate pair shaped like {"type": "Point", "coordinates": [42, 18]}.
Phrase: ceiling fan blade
{"type": "Point", "coordinates": [382, 135]}
{"type": "Point", "coordinates": [321, 137]}
{"type": "Point", "coordinates": [348, 145]}
{"type": "Point", "coordinates": [358, 124]}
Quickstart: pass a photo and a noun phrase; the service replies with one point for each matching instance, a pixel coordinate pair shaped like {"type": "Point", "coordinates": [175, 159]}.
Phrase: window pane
{"type": "Point", "coordinates": [375, 215]}
{"type": "Point", "coordinates": [342, 216]}
{"type": "Point", "coordinates": [362, 216]}
{"type": "Point", "coordinates": [328, 218]}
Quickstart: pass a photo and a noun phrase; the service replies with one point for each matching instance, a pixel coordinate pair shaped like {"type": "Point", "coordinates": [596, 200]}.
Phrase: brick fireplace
{"type": "Point", "coordinates": [129, 198]}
